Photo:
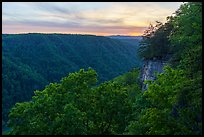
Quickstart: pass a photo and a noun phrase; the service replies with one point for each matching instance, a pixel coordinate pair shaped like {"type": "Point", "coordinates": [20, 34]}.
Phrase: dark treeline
{"type": "Point", "coordinates": [172, 104]}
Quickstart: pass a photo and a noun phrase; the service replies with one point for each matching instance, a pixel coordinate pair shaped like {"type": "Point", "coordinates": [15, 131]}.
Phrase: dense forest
{"type": "Point", "coordinates": [32, 61]}
{"type": "Point", "coordinates": [172, 104]}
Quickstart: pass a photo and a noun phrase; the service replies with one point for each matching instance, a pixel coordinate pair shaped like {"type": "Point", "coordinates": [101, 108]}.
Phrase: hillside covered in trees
{"type": "Point", "coordinates": [172, 104]}
{"type": "Point", "coordinates": [32, 61]}
{"type": "Point", "coordinates": [175, 97]}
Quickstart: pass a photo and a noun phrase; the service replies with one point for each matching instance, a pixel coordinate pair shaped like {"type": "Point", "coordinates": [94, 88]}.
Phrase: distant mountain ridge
{"type": "Point", "coordinates": [31, 61]}
{"type": "Point", "coordinates": [125, 37]}
{"type": "Point", "coordinates": [55, 42]}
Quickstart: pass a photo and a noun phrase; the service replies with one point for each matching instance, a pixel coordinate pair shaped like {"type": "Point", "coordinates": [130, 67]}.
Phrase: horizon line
{"type": "Point", "coordinates": [69, 34]}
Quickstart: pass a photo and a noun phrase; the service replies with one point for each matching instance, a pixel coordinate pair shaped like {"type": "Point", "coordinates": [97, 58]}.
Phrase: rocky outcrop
{"type": "Point", "coordinates": [149, 68]}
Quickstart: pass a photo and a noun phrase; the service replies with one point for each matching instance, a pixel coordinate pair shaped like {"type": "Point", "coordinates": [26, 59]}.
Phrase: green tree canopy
{"type": "Point", "coordinates": [74, 106]}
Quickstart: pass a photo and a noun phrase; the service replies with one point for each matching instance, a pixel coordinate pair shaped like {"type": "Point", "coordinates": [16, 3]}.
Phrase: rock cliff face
{"type": "Point", "coordinates": [149, 68]}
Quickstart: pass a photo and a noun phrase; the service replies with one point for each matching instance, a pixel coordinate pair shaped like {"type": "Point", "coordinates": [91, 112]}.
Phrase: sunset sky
{"type": "Point", "coordinates": [98, 18]}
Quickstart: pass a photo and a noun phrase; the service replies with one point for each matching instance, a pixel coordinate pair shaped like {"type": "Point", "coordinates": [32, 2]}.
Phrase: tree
{"type": "Point", "coordinates": [57, 105]}
{"type": "Point", "coordinates": [175, 106]}
{"type": "Point", "coordinates": [175, 97]}
{"type": "Point", "coordinates": [74, 106]}
{"type": "Point", "coordinates": [155, 41]}
{"type": "Point", "coordinates": [186, 37]}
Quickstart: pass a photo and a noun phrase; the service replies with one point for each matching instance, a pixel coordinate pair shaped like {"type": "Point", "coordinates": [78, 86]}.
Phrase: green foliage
{"type": "Point", "coordinates": [128, 78]}
{"type": "Point", "coordinates": [131, 81]}
{"type": "Point", "coordinates": [174, 100]}
{"type": "Point", "coordinates": [112, 109]}
{"type": "Point", "coordinates": [57, 109]}
{"type": "Point", "coordinates": [174, 106]}
{"type": "Point", "coordinates": [31, 61]}
{"type": "Point", "coordinates": [155, 41]}
{"type": "Point", "coordinates": [186, 37]}
{"type": "Point", "coordinates": [162, 92]}
{"type": "Point", "coordinates": [74, 106]}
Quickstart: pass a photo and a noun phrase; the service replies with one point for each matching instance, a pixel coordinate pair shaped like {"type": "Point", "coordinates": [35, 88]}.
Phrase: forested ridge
{"type": "Point", "coordinates": [172, 104]}
{"type": "Point", "coordinates": [32, 61]}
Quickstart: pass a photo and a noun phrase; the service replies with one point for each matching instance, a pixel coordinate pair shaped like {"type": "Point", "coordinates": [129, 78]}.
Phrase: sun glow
{"type": "Point", "coordinates": [111, 18]}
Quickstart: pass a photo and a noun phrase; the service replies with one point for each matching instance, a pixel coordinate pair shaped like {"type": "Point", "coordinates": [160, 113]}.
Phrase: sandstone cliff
{"type": "Point", "coordinates": [149, 68]}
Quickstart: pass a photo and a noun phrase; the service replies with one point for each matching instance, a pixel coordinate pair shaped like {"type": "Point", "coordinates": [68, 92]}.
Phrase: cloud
{"type": "Point", "coordinates": [83, 17]}
{"type": "Point", "coordinates": [68, 28]}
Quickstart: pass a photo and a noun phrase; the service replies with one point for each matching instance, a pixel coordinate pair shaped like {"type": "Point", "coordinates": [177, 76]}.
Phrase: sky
{"type": "Point", "coordinates": [97, 18]}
